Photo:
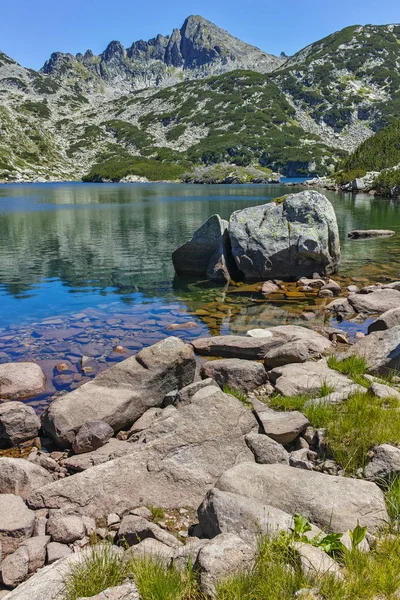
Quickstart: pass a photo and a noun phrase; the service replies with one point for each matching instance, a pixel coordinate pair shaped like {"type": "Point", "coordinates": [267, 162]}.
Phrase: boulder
{"type": "Point", "coordinates": [65, 529]}
{"type": "Point", "coordinates": [307, 378]}
{"type": "Point", "coordinates": [18, 423]}
{"type": "Point", "coordinates": [380, 349]}
{"type": "Point", "coordinates": [36, 547]}
{"type": "Point", "coordinates": [332, 503]}
{"type": "Point", "coordinates": [336, 397]}
{"type": "Point", "coordinates": [370, 233]}
{"type": "Point", "coordinates": [127, 591]}
{"type": "Point", "coordinates": [384, 464]}
{"type": "Point", "coordinates": [120, 395]}
{"type": "Point", "coordinates": [269, 287]}
{"type": "Point", "coordinates": [291, 352]}
{"type": "Point", "coordinates": [340, 306]}
{"type": "Point", "coordinates": [221, 558]}
{"type": "Point", "coordinates": [174, 464]}
{"type": "Point", "coordinates": [266, 450]}
{"type": "Point", "coordinates": [150, 548]}
{"type": "Point", "coordinates": [145, 421]}
{"type": "Point", "coordinates": [135, 529]}
{"type": "Point", "coordinates": [185, 395]}
{"type": "Point", "coordinates": [225, 512]}
{"type": "Point", "coordinates": [16, 522]}
{"type": "Point", "coordinates": [243, 375]}
{"type": "Point", "coordinates": [56, 551]}
{"type": "Point", "coordinates": [207, 253]}
{"type": "Point", "coordinates": [91, 436]}
{"type": "Point", "coordinates": [378, 302]}
{"type": "Point", "coordinates": [315, 562]}
{"type": "Point", "coordinates": [21, 380]}
{"type": "Point", "coordinates": [282, 240]}
{"type": "Point", "coordinates": [19, 476]}
{"type": "Point", "coordinates": [381, 390]}
{"type": "Point", "coordinates": [387, 320]}
{"type": "Point", "coordinates": [14, 568]}
{"type": "Point", "coordinates": [256, 347]}
{"type": "Point", "coordinates": [113, 449]}
{"type": "Point", "coordinates": [283, 427]}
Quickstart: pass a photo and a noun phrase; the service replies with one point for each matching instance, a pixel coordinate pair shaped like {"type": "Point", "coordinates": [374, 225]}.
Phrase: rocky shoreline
{"type": "Point", "coordinates": [189, 451]}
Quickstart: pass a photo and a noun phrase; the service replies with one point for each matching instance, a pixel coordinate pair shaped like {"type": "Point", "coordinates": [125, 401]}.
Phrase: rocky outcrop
{"type": "Point", "coordinates": [379, 301]}
{"type": "Point", "coordinates": [21, 380]}
{"type": "Point", "coordinates": [21, 477]}
{"type": "Point", "coordinates": [123, 393]}
{"type": "Point", "coordinates": [174, 463]}
{"type": "Point", "coordinates": [333, 503]}
{"type": "Point", "coordinates": [295, 236]}
{"type": "Point", "coordinates": [243, 375]}
{"type": "Point", "coordinates": [307, 378]}
{"type": "Point", "coordinates": [380, 349]}
{"type": "Point", "coordinates": [18, 423]}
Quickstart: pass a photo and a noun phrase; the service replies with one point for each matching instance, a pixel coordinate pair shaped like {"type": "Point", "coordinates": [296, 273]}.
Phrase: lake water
{"type": "Point", "coordinates": [87, 267]}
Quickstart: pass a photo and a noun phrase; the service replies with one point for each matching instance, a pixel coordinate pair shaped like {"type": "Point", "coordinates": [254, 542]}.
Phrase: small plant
{"type": "Point", "coordinates": [156, 581]}
{"type": "Point", "coordinates": [237, 394]}
{"type": "Point", "coordinates": [353, 366]}
{"type": "Point", "coordinates": [157, 513]}
{"type": "Point", "coordinates": [326, 389]}
{"type": "Point", "coordinates": [392, 497]}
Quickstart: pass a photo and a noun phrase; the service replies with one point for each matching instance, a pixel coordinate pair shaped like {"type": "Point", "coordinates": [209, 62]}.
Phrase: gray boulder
{"type": "Point", "coordinates": [21, 380]}
{"type": "Point", "coordinates": [243, 375]}
{"type": "Point", "coordinates": [381, 390]}
{"type": "Point", "coordinates": [207, 253]}
{"type": "Point", "coordinates": [56, 551]}
{"type": "Point", "coordinates": [380, 349]}
{"type": "Point", "coordinates": [332, 503]}
{"type": "Point", "coordinates": [174, 464]}
{"type": "Point", "coordinates": [289, 353]}
{"type": "Point", "coordinates": [135, 529]}
{"type": "Point", "coordinates": [15, 567]}
{"type": "Point", "coordinates": [266, 450]}
{"type": "Point", "coordinates": [225, 512]}
{"type": "Point", "coordinates": [379, 301]}
{"type": "Point", "coordinates": [297, 237]}
{"type": "Point", "coordinates": [384, 464]}
{"type": "Point", "coordinates": [307, 378]}
{"type": "Point", "coordinates": [120, 395]}
{"type": "Point", "coordinates": [91, 436]}
{"type": "Point", "coordinates": [185, 395]}
{"type": "Point", "coordinates": [315, 562]}
{"type": "Point", "coordinates": [387, 320]}
{"type": "Point", "coordinates": [283, 427]}
{"type": "Point", "coordinates": [221, 558]}
{"type": "Point", "coordinates": [19, 476]}
{"type": "Point", "coordinates": [127, 591]}
{"type": "Point", "coordinates": [16, 522]}
{"type": "Point", "coordinates": [36, 547]}
{"type": "Point", "coordinates": [113, 449]}
{"type": "Point", "coordinates": [18, 423]}
{"type": "Point", "coordinates": [65, 529]}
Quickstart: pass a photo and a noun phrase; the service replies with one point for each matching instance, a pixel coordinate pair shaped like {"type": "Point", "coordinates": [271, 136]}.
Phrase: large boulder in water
{"type": "Point", "coordinates": [207, 253]}
{"type": "Point", "coordinates": [298, 236]}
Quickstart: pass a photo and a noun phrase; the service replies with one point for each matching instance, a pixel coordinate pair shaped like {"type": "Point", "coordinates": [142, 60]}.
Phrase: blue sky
{"type": "Point", "coordinates": [30, 30]}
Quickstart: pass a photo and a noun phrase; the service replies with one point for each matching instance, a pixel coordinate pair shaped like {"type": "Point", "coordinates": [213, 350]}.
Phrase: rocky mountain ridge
{"type": "Point", "coordinates": [197, 97]}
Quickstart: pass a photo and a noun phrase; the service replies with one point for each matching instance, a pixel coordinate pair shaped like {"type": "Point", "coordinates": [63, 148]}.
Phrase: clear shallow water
{"type": "Point", "coordinates": [84, 267]}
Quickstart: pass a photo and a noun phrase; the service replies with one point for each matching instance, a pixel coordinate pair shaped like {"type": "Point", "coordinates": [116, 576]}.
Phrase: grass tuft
{"type": "Point", "coordinates": [238, 395]}
{"type": "Point", "coordinates": [354, 367]}
{"type": "Point", "coordinates": [157, 513]}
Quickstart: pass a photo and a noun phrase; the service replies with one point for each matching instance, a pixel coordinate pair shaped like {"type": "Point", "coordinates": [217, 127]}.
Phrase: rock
{"type": "Point", "coordinates": [336, 397]}
{"type": "Point", "coordinates": [21, 380]}
{"type": "Point", "coordinates": [134, 530]}
{"type": "Point", "coordinates": [185, 395]}
{"type": "Point", "coordinates": [353, 289]}
{"type": "Point", "coordinates": [65, 529]}
{"type": "Point", "coordinates": [387, 320]}
{"type": "Point", "coordinates": [18, 423]}
{"type": "Point", "coordinates": [291, 352]}
{"type": "Point", "coordinates": [283, 427]}
{"type": "Point", "coordinates": [332, 286]}
{"type": "Point", "coordinates": [152, 549]}
{"type": "Point", "coordinates": [269, 288]}
{"type": "Point", "coordinates": [263, 248]}
{"type": "Point", "coordinates": [189, 551]}
{"type": "Point", "coordinates": [141, 511]}
{"type": "Point", "coordinates": [380, 349]}
{"type": "Point", "coordinates": [379, 301]}
{"type": "Point", "coordinates": [16, 522]}
{"type": "Point", "coordinates": [145, 421]}
{"type": "Point", "coordinates": [224, 512]}
{"type": "Point", "coordinates": [370, 233]}
{"type": "Point", "coordinates": [47, 583]}
{"type": "Point", "coordinates": [315, 562]}
{"type": "Point", "coordinates": [257, 347]}
{"type": "Point", "coordinates": [266, 450]}
{"type": "Point", "coordinates": [307, 378]}
{"type": "Point", "coordinates": [19, 476]}
{"type": "Point", "coordinates": [120, 395]}
{"type": "Point", "coordinates": [91, 436]}
{"type": "Point", "coordinates": [36, 547]}
{"type": "Point", "coordinates": [384, 464]}
{"type": "Point", "coordinates": [176, 462]}
{"type": "Point", "coordinates": [383, 391]}
{"type": "Point", "coordinates": [57, 551]}
{"type": "Point", "coordinates": [14, 568]}
{"type": "Point", "coordinates": [113, 449]}
{"type": "Point", "coordinates": [243, 375]}
{"type": "Point", "coordinates": [299, 459]}
{"type": "Point", "coordinates": [259, 333]}
{"type": "Point", "coordinates": [332, 503]}
{"type": "Point", "coordinates": [207, 253]}
{"type": "Point", "coordinates": [325, 293]}
{"type": "Point", "coordinates": [221, 558]}
{"type": "Point", "coordinates": [340, 306]}
{"type": "Point", "coordinates": [127, 591]}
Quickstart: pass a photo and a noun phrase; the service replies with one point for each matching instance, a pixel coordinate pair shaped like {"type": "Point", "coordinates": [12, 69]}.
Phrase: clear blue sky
{"type": "Point", "coordinates": [30, 30]}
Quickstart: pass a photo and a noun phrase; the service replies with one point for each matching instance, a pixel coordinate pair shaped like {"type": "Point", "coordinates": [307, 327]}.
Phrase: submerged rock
{"type": "Point", "coordinates": [370, 233]}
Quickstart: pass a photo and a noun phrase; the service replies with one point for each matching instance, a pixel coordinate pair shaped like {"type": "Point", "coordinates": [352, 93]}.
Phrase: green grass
{"type": "Point", "coordinates": [392, 497]}
{"type": "Point", "coordinates": [237, 394]}
{"type": "Point", "coordinates": [157, 513]}
{"type": "Point", "coordinates": [354, 367]}
{"type": "Point", "coordinates": [115, 168]}
{"type": "Point", "coordinates": [157, 582]}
